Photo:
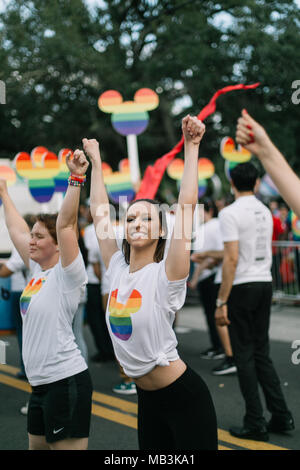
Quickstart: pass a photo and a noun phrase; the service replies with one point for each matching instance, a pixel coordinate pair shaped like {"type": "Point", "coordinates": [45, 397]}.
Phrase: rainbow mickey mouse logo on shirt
{"type": "Point", "coordinates": [119, 314]}
{"type": "Point", "coordinates": [31, 289]}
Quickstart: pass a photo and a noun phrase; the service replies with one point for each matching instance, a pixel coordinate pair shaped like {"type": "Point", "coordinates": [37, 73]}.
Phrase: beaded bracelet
{"type": "Point", "coordinates": [76, 180]}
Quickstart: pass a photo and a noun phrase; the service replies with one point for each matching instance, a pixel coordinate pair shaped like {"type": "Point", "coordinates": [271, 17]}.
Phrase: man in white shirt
{"type": "Point", "coordinates": [244, 304]}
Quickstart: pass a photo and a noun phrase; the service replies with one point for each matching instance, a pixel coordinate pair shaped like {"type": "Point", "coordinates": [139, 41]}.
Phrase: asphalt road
{"type": "Point", "coordinates": [113, 425]}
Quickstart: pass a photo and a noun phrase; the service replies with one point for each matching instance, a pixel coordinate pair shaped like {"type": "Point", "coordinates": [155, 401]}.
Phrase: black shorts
{"type": "Point", "coordinates": [61, 409]}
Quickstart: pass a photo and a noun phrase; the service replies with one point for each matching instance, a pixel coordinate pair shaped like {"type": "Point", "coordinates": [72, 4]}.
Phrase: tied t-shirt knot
{"type": "Point", "coordinates": [162, 360]}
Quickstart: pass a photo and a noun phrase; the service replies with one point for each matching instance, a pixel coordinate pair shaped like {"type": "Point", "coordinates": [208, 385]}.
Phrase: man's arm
{"type": "Point", "coordinates": [97, 270]}
{"type": "Point", "coordinates": [231, 254]}
{"type": "Point", "coordinates": [217, 255]}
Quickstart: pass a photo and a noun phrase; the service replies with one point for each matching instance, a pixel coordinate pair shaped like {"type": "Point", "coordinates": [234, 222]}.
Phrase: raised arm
{"type": "Point", "coordinates": [18, 229]}
{"type": "Point", "coordinates": [66, 225]}
{"type": "Point", "coordinates": [99, 203]}
{"type": "Point", "coordinates": [178, 259]}
{"type": "Point", "coordinates": [254, 138]}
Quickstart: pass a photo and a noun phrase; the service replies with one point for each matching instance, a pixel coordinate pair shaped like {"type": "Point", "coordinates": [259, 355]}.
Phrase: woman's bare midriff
{"type": "Point", "coordinates": [161, 376]}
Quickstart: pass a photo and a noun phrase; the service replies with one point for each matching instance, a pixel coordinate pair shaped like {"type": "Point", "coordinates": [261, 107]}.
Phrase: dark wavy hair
{"type": "Point", "coordinates": [160, 249]}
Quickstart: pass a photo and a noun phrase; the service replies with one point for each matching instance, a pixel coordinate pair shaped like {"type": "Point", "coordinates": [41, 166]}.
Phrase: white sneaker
{"type": "Point", "coordinates": [125, 388]}
{"type": "Point", "coordinates": [24, 409]}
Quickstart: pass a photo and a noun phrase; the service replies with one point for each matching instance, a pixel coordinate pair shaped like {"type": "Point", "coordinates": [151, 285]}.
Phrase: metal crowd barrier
{"type": "Point", "coordinates": [286, 271]}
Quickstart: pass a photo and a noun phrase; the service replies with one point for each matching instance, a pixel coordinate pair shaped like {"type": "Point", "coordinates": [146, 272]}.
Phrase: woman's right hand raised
{"type": "Point", "coordinates": [91, 149]}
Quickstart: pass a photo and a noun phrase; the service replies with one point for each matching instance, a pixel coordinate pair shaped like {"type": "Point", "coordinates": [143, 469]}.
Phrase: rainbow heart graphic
{"type": "Point", "coordinates": [119, 314]}
{"type": "Point", "coordinates": [31, 289]}
{"type": "Point", "coordinates": [118, 183]}
{"type": "Point", "coordinates": [129, 117]}
{"type": "Point", "coordinates": [230, 153]}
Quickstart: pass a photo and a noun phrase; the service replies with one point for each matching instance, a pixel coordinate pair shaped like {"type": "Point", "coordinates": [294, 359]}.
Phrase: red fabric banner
{"type": "Point", "coordinates": [153, 174]}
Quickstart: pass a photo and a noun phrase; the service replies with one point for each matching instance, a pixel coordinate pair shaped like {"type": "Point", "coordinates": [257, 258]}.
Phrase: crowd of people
{"type": "Point", "coordinates": [128, 281]}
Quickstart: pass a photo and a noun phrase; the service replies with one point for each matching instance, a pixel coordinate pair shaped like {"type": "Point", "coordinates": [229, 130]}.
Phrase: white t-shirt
{"type": "Point", "coordinates": [17, 266]}
{"type": "Point", "coordinates": [249, 222]}
{"type": "Point", "coordinates": [48, 305]}
{"type": "Point", "coordinates": [140, 314]}
{"type": "Point", "coordinates": [208, 238]}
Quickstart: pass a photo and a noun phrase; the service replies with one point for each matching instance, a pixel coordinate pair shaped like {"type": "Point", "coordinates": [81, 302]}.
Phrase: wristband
{"type": "Point", "coordinates": [76, 180]}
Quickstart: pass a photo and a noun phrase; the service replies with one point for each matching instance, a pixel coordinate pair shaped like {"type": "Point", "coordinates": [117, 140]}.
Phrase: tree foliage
{"type": "Point", "coordinates": [57, 58]}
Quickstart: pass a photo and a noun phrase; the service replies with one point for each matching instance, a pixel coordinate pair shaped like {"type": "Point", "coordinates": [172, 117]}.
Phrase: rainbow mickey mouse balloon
{"type": "Point", "coordinates": [40, 175]}
{"type": "Point", "coordinates": [118, 183]}
{"type": "Point", "coordinates": [231, 153]}
{"type": "Point", "coordinates": [129, 117]}
{"type": "Point", "coordinates": [206, 170]}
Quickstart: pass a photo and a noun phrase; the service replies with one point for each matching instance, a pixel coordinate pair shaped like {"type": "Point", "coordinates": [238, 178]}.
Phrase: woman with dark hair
{"type": "Point", "coordinates": [60, 404]}
{"type": "Point", "coordinates": [175, 407]}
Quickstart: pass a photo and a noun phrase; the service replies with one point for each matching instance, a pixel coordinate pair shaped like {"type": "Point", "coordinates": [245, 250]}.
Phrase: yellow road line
{"type": "Point", "coordinates": [129, 407]}
{"type": "Point", "coordinates": [220, 447]}
{"type": "Point", "coordinates": [124, 405]}
{"type": "Point", "coordinates": [252, 445]}
{"type": "Point", "coordinates": [9, 369]}
{"type": "Point", "coordinates": [16, 383]}
{"type": "Point", "coordinates": [115, 416]}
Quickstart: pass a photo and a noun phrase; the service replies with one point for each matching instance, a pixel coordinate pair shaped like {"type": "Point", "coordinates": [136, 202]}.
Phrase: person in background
{"type": "Point", "coordinates": [280, 233]}
{"type": "Point", "coordinates": [15, 268]}
{"type": "Point", "coordinates": [208, 254]}
{"type": "Point", "coordinates": [274, 207]}
{"type": "Point", "coordinates": [244, 304]}
{"type": "Point", "coordinates": [94, 305]}
{"type": "Point", "coordinates": [207, 238]}
{"type": "Point", "coordinates": [79, 315]}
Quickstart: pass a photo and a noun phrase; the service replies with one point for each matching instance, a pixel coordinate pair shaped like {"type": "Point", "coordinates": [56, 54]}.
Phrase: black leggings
{"type": "Point", "coordinates": [180, 416]}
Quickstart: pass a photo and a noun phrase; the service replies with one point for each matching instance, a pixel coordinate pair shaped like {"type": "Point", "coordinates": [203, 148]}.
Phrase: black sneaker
{"type": "Point", "coordinates": [226, 367]}
{"type": "Point", "coordinates": [257, 434]}
{"type": "Point", "coordinates": [212, 354]}
{"type": "Point", "coordinates": [281, 425]}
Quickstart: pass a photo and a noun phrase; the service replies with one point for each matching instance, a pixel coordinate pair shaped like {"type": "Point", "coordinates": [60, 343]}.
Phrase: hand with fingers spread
{"type": "Point", "coordinates": [91, 149]}
{"type": "Point", "coordinates": [78, 165]}
{"type": "Point", "coordinates": [193, 130]}
{"type": "Point", "coordinates": [252, 135]}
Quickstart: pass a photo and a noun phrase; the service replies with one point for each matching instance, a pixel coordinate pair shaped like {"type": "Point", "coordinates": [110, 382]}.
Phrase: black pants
{"type": "Point", "coordinates": [180, 416]}
{"type": "Point", "coordinates": [249, 307]}
{"type": "Point", "coordinates": [208, 291]}
{"type": "Point", "coordinates": [97, 323]}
